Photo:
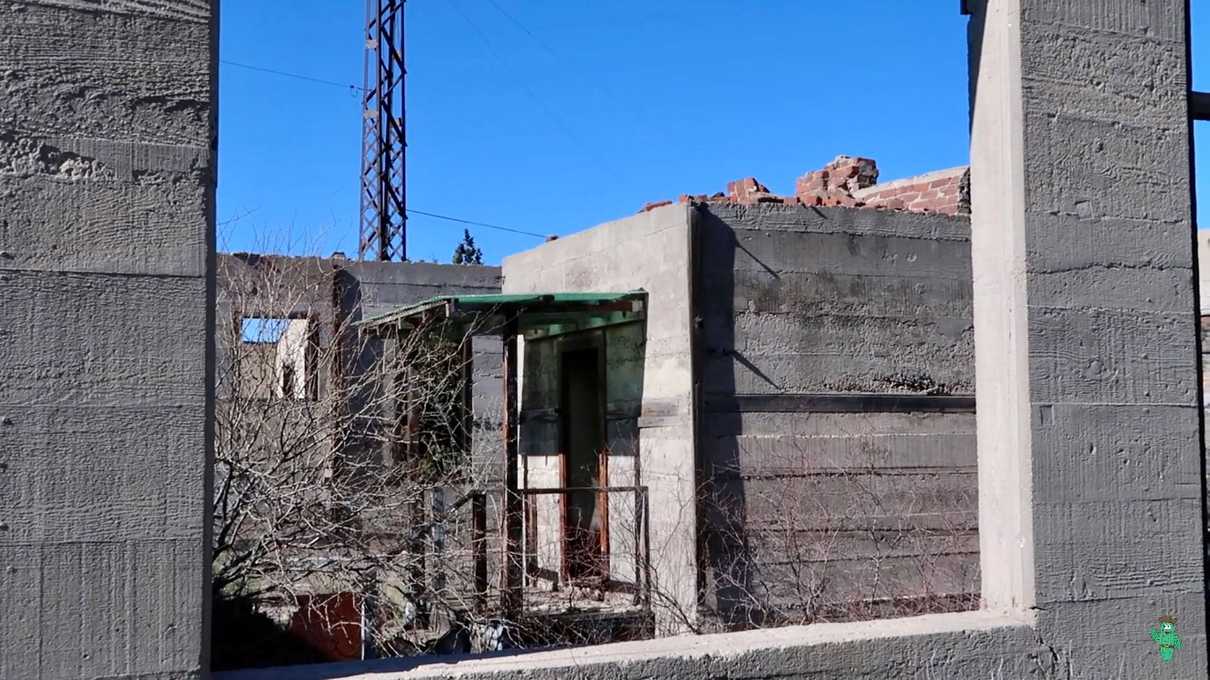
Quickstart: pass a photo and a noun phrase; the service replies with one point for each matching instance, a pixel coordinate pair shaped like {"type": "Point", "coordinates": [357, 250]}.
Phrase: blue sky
{"type": "Point", "coordinates": [555, 115]}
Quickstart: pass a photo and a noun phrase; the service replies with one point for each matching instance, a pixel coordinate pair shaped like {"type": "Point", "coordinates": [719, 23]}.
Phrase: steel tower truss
{"type": "Point", "coordinates": [383, 140]}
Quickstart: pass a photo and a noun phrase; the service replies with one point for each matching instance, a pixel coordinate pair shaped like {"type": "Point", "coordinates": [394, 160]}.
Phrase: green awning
{"type": "Point", "coordinates": [537, 313]}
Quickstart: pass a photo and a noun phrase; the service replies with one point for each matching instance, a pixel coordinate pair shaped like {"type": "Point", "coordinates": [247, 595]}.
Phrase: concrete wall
{"type": "Point", "coordinates": [384, 286]}
{"type": "Point", "coordinates": [827, 507]}
{"type": "Point", "coordinates": [1090, 456]}
{"type": "Point", "coordinates": [308, 287]}
{"type": "Point", "coordinates": [975, 645]}
{"type": "Point", "coordinates": [1090, 460]}
{"type": "Point", "coordinates": [803, 300]}
{"type": "Point", "coordinates": [106, 238]}
{"type": "Point", "coordinates": [648, 251]}
{"type": "Point", "coordinates": [1203, 257]}
{"type": "Point", "coordinates": [300, 289]}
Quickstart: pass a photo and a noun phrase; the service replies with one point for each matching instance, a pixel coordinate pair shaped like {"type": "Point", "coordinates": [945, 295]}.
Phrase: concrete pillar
{"type": "Point", "coordinates": [1085, 321]}
{"type": "Point", "coordinates": [106, 332]}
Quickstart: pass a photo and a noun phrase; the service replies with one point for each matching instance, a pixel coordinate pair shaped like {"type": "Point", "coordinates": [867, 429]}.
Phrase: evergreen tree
{"type": "Point", "coordinates": [467, 252]}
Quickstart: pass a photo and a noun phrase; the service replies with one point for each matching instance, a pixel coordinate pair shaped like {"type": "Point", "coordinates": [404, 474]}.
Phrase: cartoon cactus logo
{"type": "Point", "coordinates": [1165, 636]}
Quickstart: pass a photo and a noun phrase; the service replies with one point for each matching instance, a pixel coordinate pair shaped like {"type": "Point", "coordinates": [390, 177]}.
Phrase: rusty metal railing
{"type": "Point", "coordinates": [640, 531]}
{"type": "Point", "coordinates": [443, 519]}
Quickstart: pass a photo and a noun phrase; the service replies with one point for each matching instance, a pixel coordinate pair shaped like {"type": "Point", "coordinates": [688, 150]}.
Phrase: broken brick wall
{"type": "Point", "coordinates": [946, 192]}
{"type": "Point", "coordinates": [852, 182]}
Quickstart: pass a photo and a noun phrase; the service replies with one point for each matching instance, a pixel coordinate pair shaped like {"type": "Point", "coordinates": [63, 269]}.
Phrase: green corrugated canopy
{"type": "Point", "coordinates": [538, 314]}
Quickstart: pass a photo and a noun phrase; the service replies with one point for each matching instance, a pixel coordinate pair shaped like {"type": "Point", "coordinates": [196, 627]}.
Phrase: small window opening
{"type": "Point", "coordinates": [278, 357]}
{"type": "Point", "coordinates": [258, 329]}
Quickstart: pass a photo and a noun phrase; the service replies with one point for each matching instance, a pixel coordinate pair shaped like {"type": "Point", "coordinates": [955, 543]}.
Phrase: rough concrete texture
{"type": "Point", "coordinates": [798, 302]}
{"type": "Point", "coordinates": [816, 514]}
{"type": "Point", "coordinates": [1203, 257]}
{"type": "Point", "coordinates": [834, 300]}
{"type": "Point", "coordinates": [649, 251]}
{"type": "Point", "coordinates": [106, 214]}
{"type": "Point", "coordinates": [387, 285]}
{"type": "Point", "coordinates": [1089, 415]}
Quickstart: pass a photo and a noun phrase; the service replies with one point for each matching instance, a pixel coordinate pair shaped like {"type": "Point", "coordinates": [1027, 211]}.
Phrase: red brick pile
{"type": "Point", "coordinates": [836, 182]}
{"type": "Point", "coordinates": [851, 182]}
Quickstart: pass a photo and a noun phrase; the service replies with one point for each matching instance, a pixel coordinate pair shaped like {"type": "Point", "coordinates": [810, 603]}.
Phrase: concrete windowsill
{"type": "Point", "coordinates": [716, 646]}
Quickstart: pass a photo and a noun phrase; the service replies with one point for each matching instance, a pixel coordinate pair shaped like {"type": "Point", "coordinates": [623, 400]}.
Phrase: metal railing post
{"type": "Point", "coordinates": [479, 547]}
{"type": "Point", "coordinates": [638, 543]}
{"type": "Point", "coordinates": [647, 546]}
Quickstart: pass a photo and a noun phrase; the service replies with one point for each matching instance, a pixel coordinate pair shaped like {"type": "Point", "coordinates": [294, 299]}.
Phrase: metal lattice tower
{"type": "Point", "coordinates": [383, 143]}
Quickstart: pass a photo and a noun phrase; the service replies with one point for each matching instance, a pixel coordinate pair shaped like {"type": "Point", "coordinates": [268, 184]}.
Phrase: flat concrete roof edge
{"type": "Point", "coordinates": [654, 213]}
{"type": "Point", "coordinates": [864, 210]}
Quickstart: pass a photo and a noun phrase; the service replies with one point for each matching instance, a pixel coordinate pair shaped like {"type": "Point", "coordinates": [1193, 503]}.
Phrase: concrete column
{"type": "Point", "coordinates": [1085, 320]}
{"type": "Point", "coordinates": [106, 336]}
{"type": "Point", "coordinates": [1001, 346]}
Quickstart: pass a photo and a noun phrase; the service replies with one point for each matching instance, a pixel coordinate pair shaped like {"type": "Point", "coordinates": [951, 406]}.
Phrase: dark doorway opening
{"type": "Point", "coordinates": [582, 430]}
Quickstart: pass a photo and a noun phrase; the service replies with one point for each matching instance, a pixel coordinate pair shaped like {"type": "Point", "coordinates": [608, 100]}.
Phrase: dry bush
{"type": "Point", "coordinates": [809, 540]}
{"type": "Point", "coordinates": [330, 454]}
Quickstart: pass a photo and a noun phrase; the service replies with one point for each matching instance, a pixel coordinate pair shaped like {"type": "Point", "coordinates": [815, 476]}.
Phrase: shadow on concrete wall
{"type": "Point", "coordinates": [726, 554]}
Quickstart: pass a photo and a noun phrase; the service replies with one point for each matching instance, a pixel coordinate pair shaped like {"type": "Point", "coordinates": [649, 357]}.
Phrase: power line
{"type": "Point", "coordinates": [491, 49]}
{"type": "Point", "coordinates": [538, 41]}
{"type": "Point", "coordinates": [417, 212]}
{"type": "Point", "coordinates": [597, 84]}
{"type": "Point", "coordinates": [287, 74]}
{"type": "Point", "coordinates": [476, 224]}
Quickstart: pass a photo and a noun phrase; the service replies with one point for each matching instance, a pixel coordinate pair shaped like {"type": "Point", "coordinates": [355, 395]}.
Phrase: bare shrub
{"type": "Point", "coordinates": [806, 539]}
{"type": "Point", "coordinates": [331, 450]}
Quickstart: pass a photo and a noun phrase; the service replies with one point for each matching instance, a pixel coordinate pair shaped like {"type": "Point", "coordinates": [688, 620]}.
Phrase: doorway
{"type": "Point", "coordinates": [582, 434]}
